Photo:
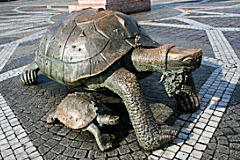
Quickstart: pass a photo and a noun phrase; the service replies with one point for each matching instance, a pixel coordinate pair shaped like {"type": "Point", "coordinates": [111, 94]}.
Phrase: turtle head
{"type": "Point", "coordinates": [178, 79]}
{"type": "Point", "coordinates": [183, 59]}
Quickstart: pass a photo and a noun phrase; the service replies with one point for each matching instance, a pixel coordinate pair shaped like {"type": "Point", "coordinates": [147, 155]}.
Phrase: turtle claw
{"type": "Point", "coordinates": [188, 102]}
{"type": "Point", "coordinates": [113, 120]}
{"type": "Point", "coordinates": [164, 136]}
{"type": "Point", "coordinates": [52, 117]}
{"type": "Point", "coordinates": [167, 134]}
{"type": "Point", "coordinates": [105, 146]}
{"type": "Point", "coordinates": [167, 130]}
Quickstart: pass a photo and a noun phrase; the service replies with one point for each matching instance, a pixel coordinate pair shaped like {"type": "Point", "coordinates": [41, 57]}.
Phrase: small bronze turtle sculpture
{"type": "Point", "coordinates": [97, 48]}
{"type": "Point", "coordinates": [78, 113]}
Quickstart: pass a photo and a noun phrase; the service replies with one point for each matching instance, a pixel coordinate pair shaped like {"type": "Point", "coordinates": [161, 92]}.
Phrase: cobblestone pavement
{"type": "Point", "coordinates": [213, 132]}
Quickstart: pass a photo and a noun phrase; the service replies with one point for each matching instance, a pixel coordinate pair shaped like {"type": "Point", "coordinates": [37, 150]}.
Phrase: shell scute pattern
{"type": "Point", "coordinates": [76, 113]}
{"type": "Point", "coordinates": [85, 44]}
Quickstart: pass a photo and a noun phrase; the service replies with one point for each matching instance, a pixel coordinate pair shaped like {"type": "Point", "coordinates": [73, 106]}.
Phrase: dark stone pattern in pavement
{"type": "Point", "coordinates": [225, 10]}
{"type": "Point", "coordinates": [19, 35]}
{"type": "Point", "coordinates": [20, 56]}
{"type": "Point", "coordinates": [234, 39]}
{"type": "Point", "coordinates": [216, 3]}
{"type": "Point", "coordinates": [14, 14]}
{"type": "Point", "coordinates": [197, 14]}
{"type": "Point", "coordinates": [37, 9]}
{"type": "Point", "coordinates": [31, 105]}
{"type": "Point", "coordinates": [225, 143]}
{"type": "Point", "coordinates": [5, 40]}
{"type": "Point", "coordinates": [181, 37]}
{"type": "Point", "coordinates": [170, 21]}
{"type": "Point", "coordinates": [164, 12]}
{"type": "Point", "coordinates": [6, 8]}
{"type": "Point", "coordinates": [220, 21]}
{"type": "Point", "coordinates": [15, 63]}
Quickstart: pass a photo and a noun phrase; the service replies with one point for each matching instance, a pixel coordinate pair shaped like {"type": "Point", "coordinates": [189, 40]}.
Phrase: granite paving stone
{"type": "Point", "coordinates": [168, 154]}
{"type": "Point", "coordinates": [58, 149]}
{"type": "Point", "coordinates": [10, 157]}
{"type": "Point", "coordinates": [191, 142]}
{"type": "Point", "coordinates": [186, 148]}
{"type": "Point", "coordinates": [200, 147]}
{"type": "Point", "coordinates": [196, 154]}
{"type": "Point", "coordinates": [80, 154]}
{"type": "Point", "coordinates": [182, 155]}
{"type": "Point", "coordinates": [43, 149]}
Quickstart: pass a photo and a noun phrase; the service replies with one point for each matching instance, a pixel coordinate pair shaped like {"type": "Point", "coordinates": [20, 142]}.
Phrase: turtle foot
{"type": "Point", "coordinates": [51, 117]}
{"type": "Point", "coordinates": [108, 119]}
{"type": "Point", "coordinates": [188, 99]}
{"type": "Point", "coordinates": [164, 135]}
{"type": "Point", "coordinates": [187, 102]}
{"type": "Point", "coordinates": [29, 77]}
{"type": "Point", "coordinates": [106, 146]}
{"type": "Point", "coordinates": [113, 120]}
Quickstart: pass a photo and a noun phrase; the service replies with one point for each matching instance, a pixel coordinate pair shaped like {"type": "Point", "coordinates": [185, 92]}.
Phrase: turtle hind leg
{"type": "Point", "coordinates": [98, 137]}
{"type": "Point", "coordinates": [107, 119]}
{"type": "Point", "coordinates": [29, 76]}
{"type": "Point", "coordinates": [52, 117]}
{"type": "Point", "coordinates": [149, 135]}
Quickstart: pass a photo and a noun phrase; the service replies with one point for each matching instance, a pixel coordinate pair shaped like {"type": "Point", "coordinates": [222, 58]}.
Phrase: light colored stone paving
{"type": "Point", "coordinates": [14, 141]}
{"type": "Point", "coordinates": [12, 73]}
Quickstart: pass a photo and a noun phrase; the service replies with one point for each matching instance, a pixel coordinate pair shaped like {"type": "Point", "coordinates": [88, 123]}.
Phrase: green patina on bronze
{"type": "Point", "coordinates": [173, 81]}
{"type": "Point", "coordinates": [107, 49]}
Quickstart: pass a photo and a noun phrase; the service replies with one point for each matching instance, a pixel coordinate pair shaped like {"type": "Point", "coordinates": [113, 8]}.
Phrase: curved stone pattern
{"type": "Point", "coordinates": [23, 129]}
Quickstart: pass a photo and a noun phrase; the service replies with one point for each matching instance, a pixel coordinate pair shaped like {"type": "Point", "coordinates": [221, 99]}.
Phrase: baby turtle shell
{"type": "Point", "coordinates": [88, 42]}
{"type": "Point", "coordinates": [76, 113]}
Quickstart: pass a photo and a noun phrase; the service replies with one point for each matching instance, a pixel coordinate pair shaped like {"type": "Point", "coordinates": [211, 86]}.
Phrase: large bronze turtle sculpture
{"type": "Point", "coordinates": [96, 48]}
{"type": "Point", "coordinates": [77, 112]}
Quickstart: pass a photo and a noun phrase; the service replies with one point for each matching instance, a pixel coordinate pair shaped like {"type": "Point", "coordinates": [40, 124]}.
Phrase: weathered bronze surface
{"type": "Point", "coordinates": [76, 112]}
{"type": "Point", "coordinates": [106, 49]}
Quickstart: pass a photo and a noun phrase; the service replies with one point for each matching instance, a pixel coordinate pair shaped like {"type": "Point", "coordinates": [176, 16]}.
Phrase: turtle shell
{"type": "Point", "coordinates": [76, 112]}
{"type": "Point", "coordinates": [86, 43]}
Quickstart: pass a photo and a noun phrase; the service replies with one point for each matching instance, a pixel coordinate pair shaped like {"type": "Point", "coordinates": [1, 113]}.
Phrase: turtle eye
{"type": "Point", "coordinates": [188, 60]}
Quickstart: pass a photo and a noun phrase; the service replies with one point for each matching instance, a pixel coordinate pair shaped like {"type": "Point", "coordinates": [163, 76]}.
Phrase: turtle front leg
{"type": "Point", "coordinates": [150, 136]}
{"type": "Point", "coordinates": [52, 117]}
{"type": "Point", "coordinates": [29, 76]}
{"type": "Point", "coordinates": [177, 65]}
{"type": "Point", "coordinates": [187, 99]}
{"type": "Point", "coordinates": [181, 85]}
{"type": "Point", "coordinates": [98, 137]}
